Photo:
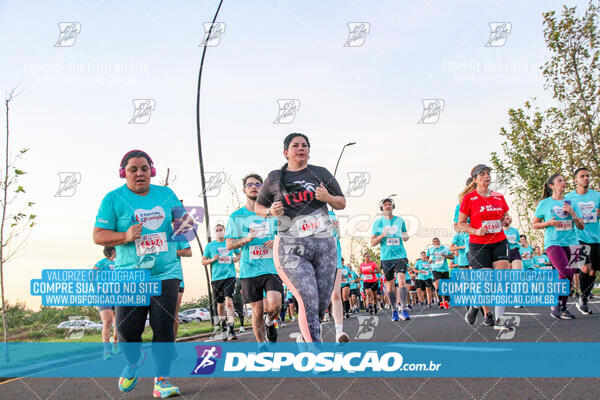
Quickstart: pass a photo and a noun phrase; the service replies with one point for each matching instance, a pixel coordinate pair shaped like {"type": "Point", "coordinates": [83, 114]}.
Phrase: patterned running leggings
{"type": "Point", "coordinates": [308, 266]}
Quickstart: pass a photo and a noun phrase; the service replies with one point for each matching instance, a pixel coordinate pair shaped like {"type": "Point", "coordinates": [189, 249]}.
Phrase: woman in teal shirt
{"type": "Point", "coordinates": [136, 219]}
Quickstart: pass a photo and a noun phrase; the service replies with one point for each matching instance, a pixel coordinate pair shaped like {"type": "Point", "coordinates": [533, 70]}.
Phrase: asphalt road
{"type": "Point", "coordinates": [427, 325]}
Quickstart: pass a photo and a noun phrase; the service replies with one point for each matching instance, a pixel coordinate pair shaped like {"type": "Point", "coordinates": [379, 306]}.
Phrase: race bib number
{"type": "Point", "coordinates": [310, 225]}
{"type": "Point", "coordinates": [367, 277]}
{"type": "Point", "coordinates": [578, 256]}
{"type": "Point", "coordinates": [438, 259]}
{"type": "Point", "coordinates": [152, 243]}
{"type": "Point", "coordinates": [566, 225]}
{"type": "Point", "coordinates": [260, 252]}
{"type": "Point", "coordinates": [492, 226]}
{"type": "Point", "coordinates": [392, 241]}
{"type": "Point", "coordinates": [512, 239]}
{"type": "Point", "coordinates": [344, 280]}
{"type": "Point", "coordinates": [526, 256]}
{"type": "Point", "coordinates": [224, 257]}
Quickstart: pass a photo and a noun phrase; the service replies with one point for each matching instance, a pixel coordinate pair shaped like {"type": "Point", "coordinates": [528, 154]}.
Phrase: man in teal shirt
{"type": "Point", "coordinates": [586, 203]}
{"type": "Point", "coordinates": [254, 235]}
{"type": "Point", "coordinates": [222, 279]}
{"type": "Point", "coordinates": [390, 232]}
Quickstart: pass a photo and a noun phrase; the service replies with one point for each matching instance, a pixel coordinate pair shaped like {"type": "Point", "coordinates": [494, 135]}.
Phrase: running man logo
{"type": "Point", "coordinates": [68, 34]}
{"type": "Point", "coordinates": [366, 327]}
{"type": "Point", "coordinates": [497, 185]}
{"type": "Point", "coordinates": [142, 110]}
{"type": "Point", "coordinates": [357, 183]}
{"type": "Point", "coordinates": [432, 109]}
{"type": "Point", "coordinates": [77, 325]}
{"type": "Point", "coordinates": [579, 255]}
{"type": "Point", "coordinates": [213, 183]}
{"type": "Point", "coordinates": [212, 34]}
{"type": "Point", "coordinates": [357, 34]}
{"type": "Point", "coordinates": [184, 229]}
{"type": "Point", "coordinates": [207, 359]}
{"type": "Point", "coordinates": [287, 111]}
{"type": "Point", "coordinates": [68, 183]}
{"type": "Point", "coordinates": [292, 254]}
{"type": "Point", "coordinates": [507, 327]}
{"type": "Point", "coordinates": [498, 34]}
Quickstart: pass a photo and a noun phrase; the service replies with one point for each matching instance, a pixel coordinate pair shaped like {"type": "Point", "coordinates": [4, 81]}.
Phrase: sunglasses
{"type": "Point", "coordinates": [255, 184]}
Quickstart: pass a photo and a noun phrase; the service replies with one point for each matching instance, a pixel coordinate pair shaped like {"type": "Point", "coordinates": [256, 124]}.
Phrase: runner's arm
{"type": "Point", "coordinates": [233, 244]}
{"type": "Point", "coordinates": [108, 238]}
{"type": "Point", "coordinates": [376, 239]}
{"type": "Point", "coordinates": [187, 252]}
{"type": "Point", "coordinates": [454, 247]}
{"type": "Point", "coordinates": [464, 226]}
{"type": "Point", "coordinates": [208, 261]}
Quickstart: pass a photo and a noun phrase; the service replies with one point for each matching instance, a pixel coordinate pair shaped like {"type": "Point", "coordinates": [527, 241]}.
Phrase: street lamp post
{"type": "Point", "coordinates": [340, 157]}
{"type": "Point", "coordinates": [201, 162]}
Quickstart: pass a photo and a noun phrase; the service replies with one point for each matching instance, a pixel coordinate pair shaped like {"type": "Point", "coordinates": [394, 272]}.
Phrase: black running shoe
{"type": "Point", "coordinates": [489, 319]}
{"type": "Point", "coordinates": [582, 306]}
{"type": "Point", "coordinates": [271, 332]}
{"type": "Point", "coordinates": [471, 315]}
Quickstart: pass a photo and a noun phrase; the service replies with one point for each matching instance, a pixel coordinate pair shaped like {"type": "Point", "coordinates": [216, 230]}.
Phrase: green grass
{"type": "Point", "coordinates": [185, 330]}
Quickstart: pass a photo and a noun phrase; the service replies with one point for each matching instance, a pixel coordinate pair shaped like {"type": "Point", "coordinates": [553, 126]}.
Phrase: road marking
{"type": "Point", "coordinates": [10, 380]}
{"type": "Point", "coordinates": [428, 315]}
{"type": "Point", "coordinates": [522, 313]}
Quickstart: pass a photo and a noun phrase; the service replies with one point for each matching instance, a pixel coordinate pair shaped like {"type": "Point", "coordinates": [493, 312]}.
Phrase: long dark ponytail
{"type": "Point", "coordinates": [547, 192]}
{"type": "Point", "coordinates": [284, 187]}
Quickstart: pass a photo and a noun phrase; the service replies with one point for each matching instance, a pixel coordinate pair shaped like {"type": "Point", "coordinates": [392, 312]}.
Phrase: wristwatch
{"type": "Point", "coordinates": [269, 213]}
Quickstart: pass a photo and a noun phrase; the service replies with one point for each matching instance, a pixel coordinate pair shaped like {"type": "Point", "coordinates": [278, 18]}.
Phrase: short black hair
{"type": "Point", "coordinates": [108, 251]}
{"type": "Point", "coordinates": [219, 225]}
{"type": "Point", "coordinates": [251, 175]}
{"type": "Point", "coordinates": [423, 252]}
{"type": "Point", "coordinates": [135, 154]}
{"type": "Point", "coordinates": [579, 169]}
{"type": "Point", "coordinates": [436, 238]}
{"type": "Point", "coordinates": [524, 236]}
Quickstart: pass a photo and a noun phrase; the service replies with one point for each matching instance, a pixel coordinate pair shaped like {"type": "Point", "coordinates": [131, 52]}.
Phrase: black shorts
{"type": "Point", "coordinates": [437, 275]}
{"type": "Point", "coordinates": [371, 285]}
{"type": "Point", "coordinates": [181, 288]}
{"type": "Point", "coordinates": [223, 288]}
{"type": "Point", "coordinates": [421, 284]}
{"type": "Point", "coordinates": [390, 267]}
{"type": "Point", "coordinates": [513, 254]}
{"type": "Point", "coordinates": [592, 254]}
{"type": "Point", "coordinates": [355, 292]}
{"type": "Point", "coordinates": [252, 288]}
{"type": "Point", "coordinates": [484, 255]}
{"type": "Point", "coordinates": [345, 285]}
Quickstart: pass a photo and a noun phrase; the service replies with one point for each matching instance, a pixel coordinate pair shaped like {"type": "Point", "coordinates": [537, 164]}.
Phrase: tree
{"type": "Point", "coordinates": [14, 236]}
{"type": "Point", "coordinates": [539, 142]}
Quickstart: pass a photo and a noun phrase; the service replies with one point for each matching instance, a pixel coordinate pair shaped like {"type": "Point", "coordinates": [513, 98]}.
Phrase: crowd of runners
{"type": "Point", "coordinates": [287, 243]}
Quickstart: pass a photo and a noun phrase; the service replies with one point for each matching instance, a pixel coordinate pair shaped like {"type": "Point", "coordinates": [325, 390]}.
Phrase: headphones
{"type": "Point", "coordinates": [387, 199]}
{"type": "Point", "coordinates": [122, 167]}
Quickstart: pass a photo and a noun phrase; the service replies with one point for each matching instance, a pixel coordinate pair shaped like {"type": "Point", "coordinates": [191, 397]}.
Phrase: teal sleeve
{"type": "Point", "coordinates": [106, 218]}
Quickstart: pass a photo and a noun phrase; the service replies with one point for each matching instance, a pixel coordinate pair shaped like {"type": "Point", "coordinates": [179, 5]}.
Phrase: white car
{"type": "Point", "coordinates": [79, 324]}
{"type": "Point", "coordinates": [197, 314]}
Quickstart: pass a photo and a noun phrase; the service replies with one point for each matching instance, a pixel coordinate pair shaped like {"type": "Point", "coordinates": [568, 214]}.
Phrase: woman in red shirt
{"type": "Point", "coordinates": [367, 271]}
{"type": "Point", "coordinates": [488, 247]}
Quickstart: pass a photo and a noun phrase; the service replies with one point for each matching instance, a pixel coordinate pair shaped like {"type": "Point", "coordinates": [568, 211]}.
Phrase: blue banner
{"type": "Point", "coordinates": [487, 287]}
{"type": "Point", "coordinates": [194, 359]}
{"type": "Point", "coordinates": [92, 287]}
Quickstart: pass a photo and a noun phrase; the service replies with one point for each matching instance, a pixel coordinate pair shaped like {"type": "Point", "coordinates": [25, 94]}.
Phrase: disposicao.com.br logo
{"type": "Point", "coordinates": [370, 361]}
